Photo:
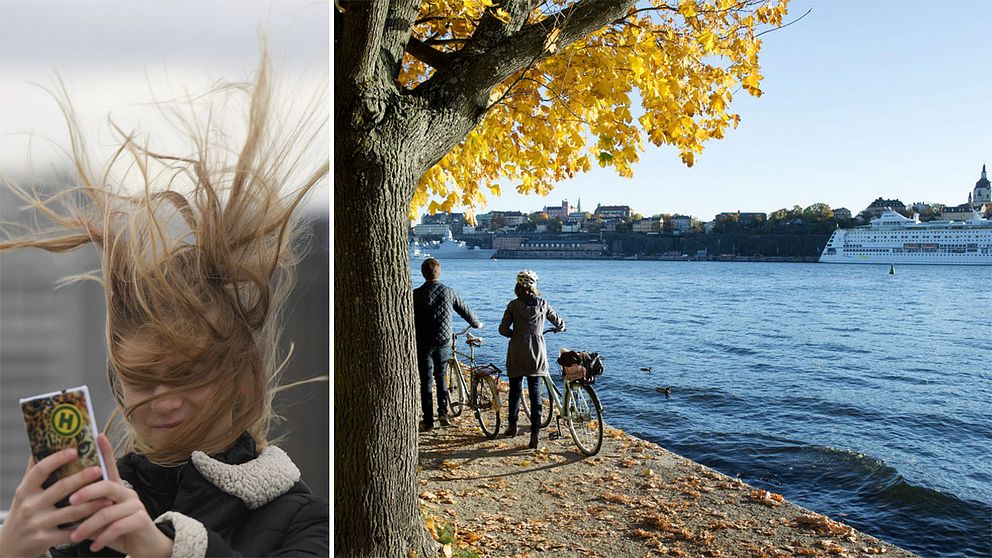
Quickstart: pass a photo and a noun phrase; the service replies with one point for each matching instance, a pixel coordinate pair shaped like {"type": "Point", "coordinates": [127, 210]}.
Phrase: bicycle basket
{"type": "Point", "coordinates": [573, 372]}
{"type": "Point", "coordinates": [580, 365]}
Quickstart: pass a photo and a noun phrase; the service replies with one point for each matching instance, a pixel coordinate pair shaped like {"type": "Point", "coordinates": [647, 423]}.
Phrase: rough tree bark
{"type": "Point", "coordinates": [385, 139]}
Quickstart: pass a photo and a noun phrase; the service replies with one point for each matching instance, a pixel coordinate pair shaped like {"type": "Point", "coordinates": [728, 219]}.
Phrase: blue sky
{"type": "Point", "coordinates": [861, 99]}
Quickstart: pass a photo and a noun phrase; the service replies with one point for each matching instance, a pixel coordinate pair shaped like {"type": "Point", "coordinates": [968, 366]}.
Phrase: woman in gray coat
{"type": "Point", "coordinates": [527, 355]}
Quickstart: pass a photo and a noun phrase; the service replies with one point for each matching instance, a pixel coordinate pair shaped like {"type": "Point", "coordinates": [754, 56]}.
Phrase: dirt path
{"type": "Point", "coordinates": [499, 498]}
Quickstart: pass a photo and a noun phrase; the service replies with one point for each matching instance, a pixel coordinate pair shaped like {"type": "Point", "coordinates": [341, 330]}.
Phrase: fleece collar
{"type": "Point", "coordinates": [256, 482]}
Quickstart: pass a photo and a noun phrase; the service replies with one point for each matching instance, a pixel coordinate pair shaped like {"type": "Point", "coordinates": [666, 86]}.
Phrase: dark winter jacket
{"type": "Point", "coordinates": [235, 503]}
{"type": "Point", "coordinates": [432, 304]}
{"type": "Point", "coordinates": [523, 323]}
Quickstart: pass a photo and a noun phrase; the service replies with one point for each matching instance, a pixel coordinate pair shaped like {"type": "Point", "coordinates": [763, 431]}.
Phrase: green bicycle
{"type": "Point", "coordinates": [482, 394]}
{"type": "Point", "coordinates": [579, 408]}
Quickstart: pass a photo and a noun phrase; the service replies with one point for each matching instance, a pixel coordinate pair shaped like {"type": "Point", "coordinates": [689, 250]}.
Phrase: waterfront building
{"type": "Point", "coordinates": [559, 248]}
{"type": "Point", "coordinates": [646, 225]}
{"type": "Point", "coordinates": [483, 221]}
{"type": "Point", "coordinates": [559, 212]}
{"type": "Point", "coordinates": [681, 223]}
{"type": "Point", "coordinates": [431, 229]}
{"type": "Point", "coordinates": [982, 194]}
{"type": "Point", "coordinates": [957, 212]}
{"type": "Point", "coordinates": [511, 218]}
{"type": "Point", "coordinates": [878, 206]}
{"type": "Point", "coordinates": [613, 212]}
{"type": "Point", "coordinates": [454, 221]}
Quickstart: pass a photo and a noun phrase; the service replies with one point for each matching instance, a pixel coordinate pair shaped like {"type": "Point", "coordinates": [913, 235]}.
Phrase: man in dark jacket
{"type": "Point", "coordinates": [432, 304]}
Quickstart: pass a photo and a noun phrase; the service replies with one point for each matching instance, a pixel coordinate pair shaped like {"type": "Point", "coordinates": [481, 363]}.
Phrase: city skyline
{"type": "Point", "coordinates": [654, 211]}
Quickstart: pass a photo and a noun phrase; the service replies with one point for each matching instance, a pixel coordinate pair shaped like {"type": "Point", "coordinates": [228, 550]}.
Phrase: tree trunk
{"type": "Point", "coordinates": [376, 388]}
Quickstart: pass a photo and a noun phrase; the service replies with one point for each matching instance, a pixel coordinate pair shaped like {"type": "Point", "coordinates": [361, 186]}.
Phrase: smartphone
{"type": "Point", "coordinates": [60, 420]}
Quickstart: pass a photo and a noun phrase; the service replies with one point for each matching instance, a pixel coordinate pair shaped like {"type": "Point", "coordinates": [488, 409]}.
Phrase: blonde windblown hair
{"type": "Point", "coordinates": [196, 261]}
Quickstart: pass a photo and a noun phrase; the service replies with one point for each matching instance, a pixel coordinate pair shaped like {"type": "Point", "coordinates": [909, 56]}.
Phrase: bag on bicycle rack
{"type": "Point", "coordinates": [580, 365]}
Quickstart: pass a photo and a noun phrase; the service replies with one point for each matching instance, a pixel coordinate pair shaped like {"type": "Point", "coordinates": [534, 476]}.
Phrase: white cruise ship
{"type": "Point", "coordinates": [451, 249]}
{"type": "Point", "coordinates": [894, 239]}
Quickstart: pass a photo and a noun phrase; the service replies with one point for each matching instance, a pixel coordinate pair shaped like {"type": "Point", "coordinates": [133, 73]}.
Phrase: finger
{"type": "Point", "coordinates": [104, 518]}
{"type": "Point", "coordinates": [71, 514]}
{"type": "Point", "coordinates": [107, 450]}
{"type": "Point", "coordinates": [100, 489]}
{"type": "Point", "coordinates": [37, 474]}
{"type": "Point", "coordinates": [56, 536]}
{"type": "Point", "coordinates": [115, 531]}
{"type": "Point", "coordinates": [68, 485]}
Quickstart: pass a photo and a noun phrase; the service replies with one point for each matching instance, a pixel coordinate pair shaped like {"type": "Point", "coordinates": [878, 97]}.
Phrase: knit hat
{"type": "Point", "coordinates": [527, 278]}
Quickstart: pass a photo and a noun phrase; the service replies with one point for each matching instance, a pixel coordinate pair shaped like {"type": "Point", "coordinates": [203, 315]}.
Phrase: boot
{"type": "Point", "coordinates": [533, 440]}
{"type": "Point", "coordinates": [511, 430]}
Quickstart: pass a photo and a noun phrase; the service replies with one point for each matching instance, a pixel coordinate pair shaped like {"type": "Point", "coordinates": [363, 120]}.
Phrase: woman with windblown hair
{"type": "Point", "coordinates": [196, 263]}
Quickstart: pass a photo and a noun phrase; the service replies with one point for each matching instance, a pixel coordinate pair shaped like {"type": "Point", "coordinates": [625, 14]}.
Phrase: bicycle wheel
{"type": "Point", "coordinates": [456, 395]}
{"type": "Point", "coordinates": [547, 409]}
{"type": "Point", "coordinates": [584, 416]}
{"type": "Point", "coordinates": [485, 394]}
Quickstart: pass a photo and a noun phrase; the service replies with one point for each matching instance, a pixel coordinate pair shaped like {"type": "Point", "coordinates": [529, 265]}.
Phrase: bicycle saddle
{"type": "Point", "coordinates": [473, 340]}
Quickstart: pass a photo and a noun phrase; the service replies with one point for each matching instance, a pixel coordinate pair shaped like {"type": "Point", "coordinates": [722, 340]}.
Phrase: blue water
{"type": "Point", "coordinates": [858, 394]}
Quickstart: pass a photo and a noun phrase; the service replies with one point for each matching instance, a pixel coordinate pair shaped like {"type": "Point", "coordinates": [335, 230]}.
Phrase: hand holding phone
{"type": "Point", "coordinates": [32, 525]}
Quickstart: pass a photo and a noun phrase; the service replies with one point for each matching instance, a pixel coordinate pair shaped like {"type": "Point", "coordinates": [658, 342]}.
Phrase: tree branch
{"type": "Point", "coordinates": [357, 54]}
{"type": "Point", "coordinates": [427, 54]}
{"type": "Point", "coordinates": [784, 25]}
{"type": "Point", "coordinates": [491, 29]}
{"type": "Point", "coordinates": [457, 95]}
{"type": "Point", "coordinates": [396, 33]}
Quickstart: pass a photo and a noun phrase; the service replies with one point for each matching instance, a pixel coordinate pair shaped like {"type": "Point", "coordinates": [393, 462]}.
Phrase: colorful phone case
{"type": "Point", "coordinates": [59, 420]}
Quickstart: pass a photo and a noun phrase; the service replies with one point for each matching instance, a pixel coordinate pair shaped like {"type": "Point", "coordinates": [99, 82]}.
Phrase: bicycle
{"type": "Point", "coordinates": [482, 394]}
{"type": "Point", "coordinates": [579, 408]}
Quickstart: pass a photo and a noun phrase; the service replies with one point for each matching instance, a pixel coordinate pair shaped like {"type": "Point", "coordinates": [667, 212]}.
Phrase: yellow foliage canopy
{"type": "Point", "coordinates": [573, 108]}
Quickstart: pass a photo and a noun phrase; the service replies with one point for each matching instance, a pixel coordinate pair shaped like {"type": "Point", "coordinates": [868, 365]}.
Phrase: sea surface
{"type": "Point", "coordinates": [856, 393]}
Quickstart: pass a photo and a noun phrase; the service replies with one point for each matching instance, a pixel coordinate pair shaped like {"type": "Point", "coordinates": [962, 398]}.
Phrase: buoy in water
{"type": "Point", "coordinates": [892, 269]}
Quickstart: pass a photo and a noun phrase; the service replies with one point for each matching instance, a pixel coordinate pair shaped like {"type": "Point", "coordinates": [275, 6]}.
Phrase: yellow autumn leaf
{"type": "Point", "coordinates": [549, 41]}
{"type": "Point", "coordinates": [708, 40]}
{"type": "Point", "coordinates": [687, 8]}
{"type": "Point", "coordinates": [502, 15]}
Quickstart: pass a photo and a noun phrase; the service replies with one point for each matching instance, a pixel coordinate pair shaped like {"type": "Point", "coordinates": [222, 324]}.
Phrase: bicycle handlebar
{"type": "Point", "coordinates": [470, 326]}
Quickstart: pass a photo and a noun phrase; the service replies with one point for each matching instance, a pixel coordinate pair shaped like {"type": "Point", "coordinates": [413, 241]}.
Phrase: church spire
{"type": "Point", "coordinates": [983, 171]}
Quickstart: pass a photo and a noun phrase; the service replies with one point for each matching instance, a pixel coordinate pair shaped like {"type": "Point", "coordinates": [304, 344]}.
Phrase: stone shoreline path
{"type": "Point", "coordinates": [498, 498]}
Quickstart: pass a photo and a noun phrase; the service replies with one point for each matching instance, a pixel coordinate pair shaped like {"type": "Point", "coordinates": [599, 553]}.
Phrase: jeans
{"type": "Point", "coordinates": [430, 363]}
{"type": "Point", "coordinates": [516, 390]}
